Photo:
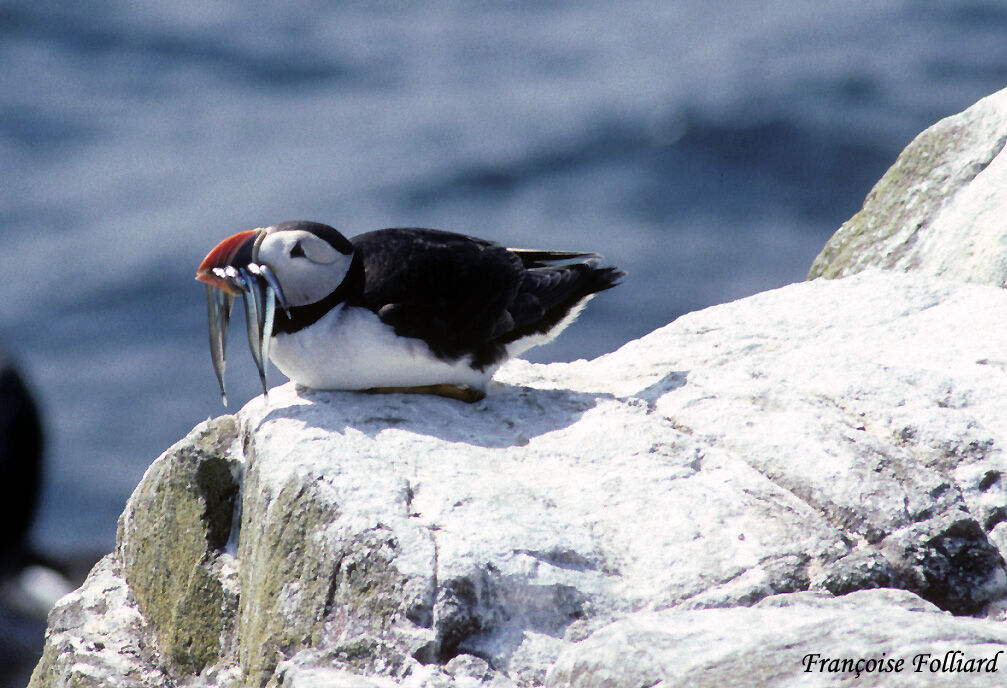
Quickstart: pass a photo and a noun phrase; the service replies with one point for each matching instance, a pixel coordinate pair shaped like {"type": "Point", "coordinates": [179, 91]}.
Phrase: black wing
{"type": "Point", "coordinates": [468, 296]}
{"type": "Point", "coordinates": [547, 294]}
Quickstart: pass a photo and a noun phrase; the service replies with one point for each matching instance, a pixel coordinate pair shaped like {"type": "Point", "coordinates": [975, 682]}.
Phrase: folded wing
{"type": "Point", "coordinates": [466, 296]}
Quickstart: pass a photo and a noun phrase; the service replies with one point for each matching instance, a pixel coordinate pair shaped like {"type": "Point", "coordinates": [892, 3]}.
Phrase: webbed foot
{"type": "Point", "coordinates": [469, 395]}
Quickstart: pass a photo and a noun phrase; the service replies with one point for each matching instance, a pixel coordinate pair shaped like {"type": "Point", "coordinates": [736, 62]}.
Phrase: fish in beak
{"type": "Point", "coordinates": [231, 269]}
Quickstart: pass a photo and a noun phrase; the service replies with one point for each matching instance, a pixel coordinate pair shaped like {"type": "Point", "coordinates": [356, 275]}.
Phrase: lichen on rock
{"type": "Point", "coordinates": [171, 542]}
{"type": "Point", "coordinates": [939, 209]}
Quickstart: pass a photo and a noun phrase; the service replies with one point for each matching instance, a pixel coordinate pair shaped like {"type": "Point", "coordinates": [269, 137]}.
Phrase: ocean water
{"type": "Point", "coordinates": [708, 147]}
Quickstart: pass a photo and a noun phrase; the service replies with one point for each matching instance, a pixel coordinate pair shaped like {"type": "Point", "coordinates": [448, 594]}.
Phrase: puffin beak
{"type": "Point", "coordinates": [228, 271]}
{"type": "Point", "coordinates": [224, 255]}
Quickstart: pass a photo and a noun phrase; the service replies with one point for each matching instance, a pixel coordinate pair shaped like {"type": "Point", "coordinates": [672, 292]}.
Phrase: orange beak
{"type": "Point", "coordinates": [223, 255]}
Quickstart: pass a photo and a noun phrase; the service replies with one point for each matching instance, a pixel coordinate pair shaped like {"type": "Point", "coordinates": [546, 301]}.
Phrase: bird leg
{"type": "Point", "coordinates": [469, 395]}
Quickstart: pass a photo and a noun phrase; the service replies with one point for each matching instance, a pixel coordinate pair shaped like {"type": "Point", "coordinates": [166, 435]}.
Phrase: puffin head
{"type": "Point", "coordinates": [305, 267]}
{"type": "Point", "coordinates": [308, 259]}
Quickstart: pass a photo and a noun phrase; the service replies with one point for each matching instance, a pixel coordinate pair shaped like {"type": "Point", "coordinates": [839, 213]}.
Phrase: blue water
{"type": "Point", "coordinates": [708, 147]}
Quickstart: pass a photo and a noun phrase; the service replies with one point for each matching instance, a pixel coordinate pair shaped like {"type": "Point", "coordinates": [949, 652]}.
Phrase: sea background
{"type": "Point", "coordinates": [708, 147]}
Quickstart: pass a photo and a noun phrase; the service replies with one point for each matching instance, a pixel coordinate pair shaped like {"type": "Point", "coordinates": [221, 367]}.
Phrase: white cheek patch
{"type": "Point", "coordinates": [304, 278]}
{"type": "Point", "coordinates": [308, 282]}
{"type": "Point", "coordinates": [319, 251]}
{"type": "Point", "coordinates": [277, 247]}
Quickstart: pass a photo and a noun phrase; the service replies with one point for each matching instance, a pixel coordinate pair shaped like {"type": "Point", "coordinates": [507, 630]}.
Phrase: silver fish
{"type": "Point", "coordinates": [268, 315]}
{"type": "Point", "coordinates": [218, 306]}
{"type": "Point", "coordinates": [265, 310]}
{"type": "Point", "coordinates": [251, 292]}
{"type": "Point", "coordinates": [260, 292]}
{"type": "Point", "coordinates": [267, 273]}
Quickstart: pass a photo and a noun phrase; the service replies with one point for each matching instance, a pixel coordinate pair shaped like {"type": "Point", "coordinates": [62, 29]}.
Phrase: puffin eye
{"type": "Point", "coordinates": [296, 251]}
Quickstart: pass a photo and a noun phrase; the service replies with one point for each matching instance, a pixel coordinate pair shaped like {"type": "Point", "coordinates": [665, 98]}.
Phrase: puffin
{"type": "Point", "coordinates": [410, 310]}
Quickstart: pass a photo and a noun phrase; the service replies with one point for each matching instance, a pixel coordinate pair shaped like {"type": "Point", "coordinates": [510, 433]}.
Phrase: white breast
{"type": "Point", "coordinates": [350, 348]}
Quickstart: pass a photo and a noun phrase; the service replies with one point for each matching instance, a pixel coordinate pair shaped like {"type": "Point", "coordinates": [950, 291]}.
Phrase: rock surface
{"type": "Point", "coordinates": [790, 640]}
{"type": "Point", "coordinates": [704, 502]}
{"type": "Point", "coordinates": [939, 210]}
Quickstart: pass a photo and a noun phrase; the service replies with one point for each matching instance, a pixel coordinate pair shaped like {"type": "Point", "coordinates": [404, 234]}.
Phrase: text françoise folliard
{"type": "Point", "coordinates": [953, 661]}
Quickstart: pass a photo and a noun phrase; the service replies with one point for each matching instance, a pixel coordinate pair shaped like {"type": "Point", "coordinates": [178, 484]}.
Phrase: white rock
{"type": "Point", "coordinates": [831, 435]}
{"type": "Point", "coordinates": [789, 640]}
{"type": "Point", "coordinates": [939, 209]}
{"type": "Point", "coordinates": [742, 451]}
{"type": "Point", "coordinates": [97, 637]}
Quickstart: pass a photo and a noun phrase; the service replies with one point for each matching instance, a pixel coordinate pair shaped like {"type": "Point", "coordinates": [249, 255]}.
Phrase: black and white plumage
{"type": "Point", "coordinates": [402, 309]}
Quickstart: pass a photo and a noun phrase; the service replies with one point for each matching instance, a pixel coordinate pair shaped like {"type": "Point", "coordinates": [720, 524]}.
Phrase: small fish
{"type": "Point", "coordinates": [260, 292]}
{"type": "Point", "coordinates": [218, 306]}
{"type": "Point", "coordinates": [266, 272]}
